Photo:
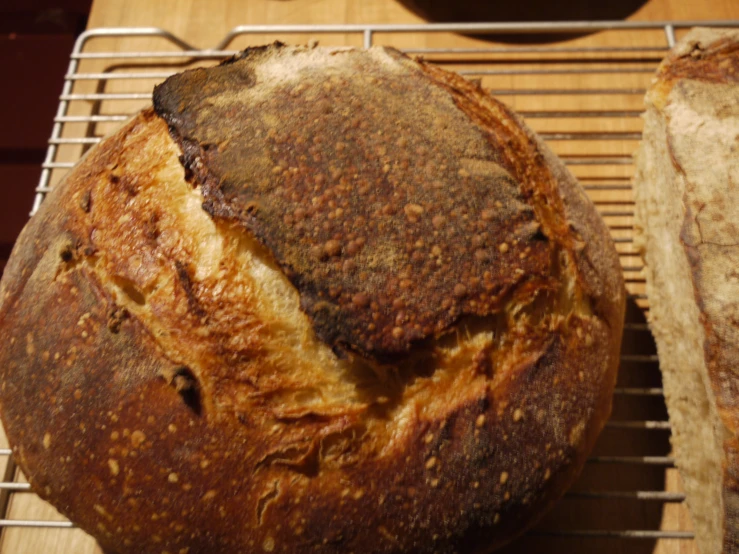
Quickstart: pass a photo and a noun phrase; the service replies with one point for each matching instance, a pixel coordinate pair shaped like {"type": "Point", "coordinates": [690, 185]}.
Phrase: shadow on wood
{"type": "Point", "coordinates": [469, 11]}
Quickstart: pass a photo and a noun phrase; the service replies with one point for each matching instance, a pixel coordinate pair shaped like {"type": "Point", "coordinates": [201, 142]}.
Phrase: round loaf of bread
{"type": "Point", "coordinates": [314, 300]}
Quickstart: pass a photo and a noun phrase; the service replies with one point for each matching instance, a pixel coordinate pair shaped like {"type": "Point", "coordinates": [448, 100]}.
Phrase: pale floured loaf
{"type": "Point", "coordinates": [314, 300]}
{"type": "Point", "coordinates": [687, 190]}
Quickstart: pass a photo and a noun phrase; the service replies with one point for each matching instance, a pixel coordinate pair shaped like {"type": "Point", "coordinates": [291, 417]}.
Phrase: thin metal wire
{"type": "Point", "coordinates": [56, 130]}
{"type": "Point", "coordinates": [574, 71]}
{"type": "Point", "coordinates": [615, 160]}
{"type": "Point", "coordinates": [660, 496]}
{"type": "Point", "coordinates": [639, 391]}
{"type": "Point", "coordinates": [670, 34]}
{"type": "Point", "coordinates": [539, 50]}
{"type": "Point", "coordinates": [650, 425]}
{"type": "Point", "coordinates": [191, 54]}
{"type": "Point", "coordinates": [640, 358]}
{"type": "Point", "coordinates": [528, 114]}
{"type": "Point", "coordinates": [5, 495]}
{"type": "Point", "coordinates": [466, 28]}
{"type": "Point", "coordinates": [91, 140]}
{"type": "Point", "coordinates": [36, 523]}
{"type": "Point", "coordinates": [15, 487]}
{"type": "Point", "coordinates": [609, 187]}
{"type": "Point", "coordinates": [582, 135]}
{"type": "Point", "coordinates": [633, 460]}
{"type": "Point", "coordinates": [616, 213]}
{"type": "Point", "coordinates": [682, 535]}
{"type": "Point", "coordinates": [118, 76]}
{"type": "Point", "coordinates": [90, 118]}
{"type": "Point", "coordinates": [685, 535]}
{"type": "Point", "coordinates": [633, 113]}
{"type": "Point", "coordinates": [106, 96]}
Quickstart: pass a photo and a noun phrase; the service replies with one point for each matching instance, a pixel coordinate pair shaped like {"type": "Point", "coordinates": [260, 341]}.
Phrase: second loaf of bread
{"type": "Point", "coordinates": [687, 214]}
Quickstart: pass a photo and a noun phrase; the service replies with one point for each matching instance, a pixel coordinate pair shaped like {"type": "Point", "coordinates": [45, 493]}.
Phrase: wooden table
{"type": "Point", "coordinates": [203, 24]}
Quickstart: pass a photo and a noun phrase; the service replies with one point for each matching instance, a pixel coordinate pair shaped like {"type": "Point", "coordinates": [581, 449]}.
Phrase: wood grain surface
{"type": "Point", "coordinates": [204, 23]}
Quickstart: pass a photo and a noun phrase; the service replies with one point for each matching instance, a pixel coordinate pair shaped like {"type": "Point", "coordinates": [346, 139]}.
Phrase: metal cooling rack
{"type": "Point", "coordinates": [628, 498]}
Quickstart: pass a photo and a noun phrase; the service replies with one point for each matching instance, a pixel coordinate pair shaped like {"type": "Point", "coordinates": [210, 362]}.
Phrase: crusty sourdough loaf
{"type": "Point", "coordinates": [688, 226]}
{"type": "Point", "coordinates": [315, 300]}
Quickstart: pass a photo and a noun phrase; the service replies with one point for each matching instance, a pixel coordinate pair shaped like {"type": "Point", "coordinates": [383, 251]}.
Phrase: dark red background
{"type": "Point", "coordinates": [36, 37]}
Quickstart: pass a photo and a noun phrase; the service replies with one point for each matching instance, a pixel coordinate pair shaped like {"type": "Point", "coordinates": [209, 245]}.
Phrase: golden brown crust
{"type": "Point", "coordinates": [218, 422]}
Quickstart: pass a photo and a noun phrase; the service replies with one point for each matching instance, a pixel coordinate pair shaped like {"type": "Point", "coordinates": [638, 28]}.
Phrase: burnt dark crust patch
{"type": "Point", "coordinates": [388, 209]}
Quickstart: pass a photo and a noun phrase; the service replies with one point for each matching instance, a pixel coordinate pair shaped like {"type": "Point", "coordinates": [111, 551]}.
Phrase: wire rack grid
{"type": "Point", "coordinates": [583, 94]}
